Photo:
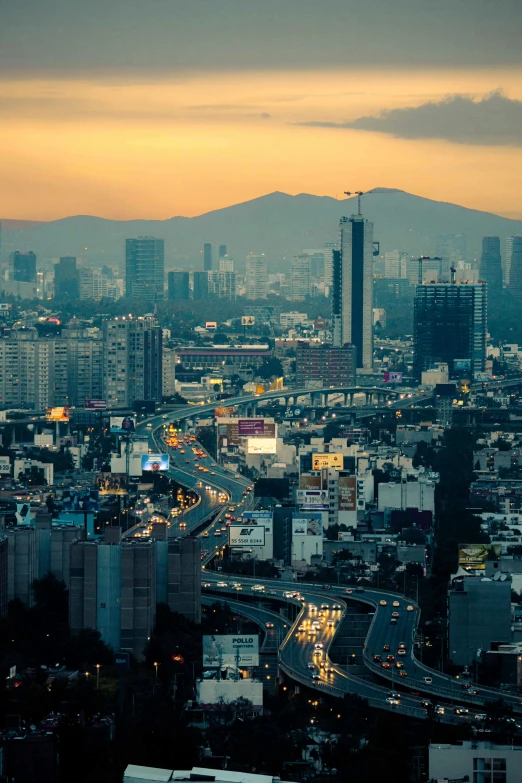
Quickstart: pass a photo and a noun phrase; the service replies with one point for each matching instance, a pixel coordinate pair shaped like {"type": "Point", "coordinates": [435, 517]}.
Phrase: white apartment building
{"type": "Point", "coordinates": [256, 277]}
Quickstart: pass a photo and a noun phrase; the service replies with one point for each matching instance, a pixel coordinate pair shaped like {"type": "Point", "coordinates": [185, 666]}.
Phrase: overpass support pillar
{"type": "Point", "coordinates": [254, 409]}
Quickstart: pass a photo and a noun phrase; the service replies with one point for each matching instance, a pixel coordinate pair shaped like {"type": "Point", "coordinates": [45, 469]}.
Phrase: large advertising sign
{"type": "Point", "coordinates": [154, 462]}
{"type": "Point", "coordinates": [263, 518]}
{"type": "Point", "coordinates": [462, 364]}
{"type": "Point", "coordinates": [96, 405]}
{"type": "Point", "coordinates": [472, 557]}
{"type": "Point", "coordinates": [57, 414]}
{"type": "Point", "coordinates": [230, 650]}
{"type": "Point", "coordinates": [310, 526]}
{"type": "Point", "coordinates": [247, 320]}
{"type": "Point", "coordinates": [248, 427]}
{"type": "Point", "coordinates": [246, 535]}
{"type": "Point", "coordinates": [80, 500]}
{"type": "Point", "coordinates": [5, 465]}
{"type": "Point", "coordinates": [318, 498]}
{"type": "Point", "coordinates": [223, 412]}
{"type": "Point", "coordinates": [122, 424]}
{"type": "Point", "coordinates": [347, 493]}
{"type": "Point", "coordinates": [330, 460]}
{"type": "Point", "coordinates": [261, 446]}
{"type": "Point", "coordinates": [23, 514]}
{"type": "Point", "coordinates": [309, 482]}
{"type": "Point", "coordinates": [393, 377]}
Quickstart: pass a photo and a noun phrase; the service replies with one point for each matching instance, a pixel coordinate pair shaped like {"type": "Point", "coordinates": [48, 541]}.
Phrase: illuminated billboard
{"type": "Point", "coordinates": [211, 325]}
{"type": "Point", "coordinates": [123, 424]}
{"type": "Point", "coordinates": [96, 405]}
{"type": "Point", "coordinates": [261, 446]}
{"type": "Point", "coordinates": [228, 434]}
{"type": "Point", "coordinates": [393, 377]}
{"type": "Point", "coordinates": [309, 526]}
{"type": "Point", "coordinates": [154, 462]}
{"type": "Point", "coordinates": [231, 650]}
{"type": "Point", "coordinates": [247, 320]}
{"type": "Point", "coordinates": [247, 427]}
{"type": "Point", "coordinates": [264, 518]}
{"type": "Point", "coordinates": [246, 535]}
{"type": "Point", "coordinates": [472, 557]}
{"type": "Point", "coordinates": [80, 500]}
{"type": "Point", "coordinates": [57, 414]}
{"type": "Point", "coordinates": [347, 493]}
{"type": "Point", "coordinates": [313, 497]}
{"type": "Point", "coordinates": [309, 482]}
{"type": "Point", "coordinates": [330, 460]}
{"type": "Point", "coordinates": [5, 465]}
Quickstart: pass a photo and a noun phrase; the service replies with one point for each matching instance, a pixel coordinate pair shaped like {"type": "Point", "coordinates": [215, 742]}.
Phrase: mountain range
{"type": "Point", "coordinates": [278, 224]}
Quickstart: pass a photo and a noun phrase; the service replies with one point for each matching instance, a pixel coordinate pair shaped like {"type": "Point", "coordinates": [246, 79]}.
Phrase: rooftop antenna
{"type": "Point", "coordinates": [357, 193]}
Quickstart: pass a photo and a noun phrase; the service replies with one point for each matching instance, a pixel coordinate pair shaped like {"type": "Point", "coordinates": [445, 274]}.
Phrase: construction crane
{"type": "Point", "coordinates": [359, 194]}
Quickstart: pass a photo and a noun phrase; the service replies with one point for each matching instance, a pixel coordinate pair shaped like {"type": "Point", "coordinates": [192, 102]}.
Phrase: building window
{"type": "Point", "coordinates": [489, 770]}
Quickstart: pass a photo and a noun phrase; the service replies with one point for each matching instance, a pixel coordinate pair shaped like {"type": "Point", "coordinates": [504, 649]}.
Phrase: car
{"type": "Point", "coordinates": [325, 606]}
{"type": "Point", "coordinates": [460, 710]}
{"type": "Point", "coordinates": [394, 694]}
{"type": "Point", "coordinates": [310, 665]}
{"type": "Point", "coordinates": [390, 658]}
{"type": "Point", "coordinates": [409, 608]}
{"type": "Point", "coordinates": [315, 676]}
{"type": "Point", "coordinates": [336, 607]}
{"type": "Point", "coordinates": [386, 648]}
{"type": "Point", "coordinates": [399, 665]}
{"type": "Point", "coordinates": [222, 584]}
{"type": "Point", "coordinates": [481, 716]}
{"type": "Point", "coordinates": [396, 603]}
{"type": "Point", "coordinates": [439, 710]}
{"type": "Point", "coordinates": [348, 592]}
{"type": "Point", "coordinates": [302, 627]}
{"type": "Point", "coordinates": [402, 646]}
{"type": "Point", "coordinates": [393, 621]}
{"type": "Point", "coordinates": [403, 673]}
{"type": "Point", "coordinates": [312, 607]}
{"type": "Point", "coordinates": [395, 614]}
{"type": "Point", "coordinates": [359, 589]}
{"type": "Point", "coordinates": [319, 646]}
{"type": "Point", "coordinates": [426, 703]}
{"type": "Point", "coordinates": [393, 702]}
{"type": "Point", "coordinates": [385, 665]}
{"type": "Point", "coordinates": [427, 680]}
{"type": "Point", "coordinates": [382, 602]}
{"type": "Point", "coordinates": [331, 624]}
{"type": "Point", "coordinates": [205, 534]}
{"type": "Point", "coordinates": [377, 659]}
{"type": "Point", "coordinates": [269, 625]}
{"type": "Point", "coordinates": [206, 584]}
{"type": "Point", "coordinates": [401, 652]}
{"type": "Point", "coordinates": [326, 587]}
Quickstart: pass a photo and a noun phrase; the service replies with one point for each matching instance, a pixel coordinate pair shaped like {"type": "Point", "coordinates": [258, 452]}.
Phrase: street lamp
{"type": "Point", "coordinates": [156, 664]}
{"type": "Point", "coordinates": [98, 667]}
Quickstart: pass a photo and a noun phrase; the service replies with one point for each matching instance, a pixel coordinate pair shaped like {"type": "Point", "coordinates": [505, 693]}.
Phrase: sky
{"type": "Point", "coordinates": [153, 108]}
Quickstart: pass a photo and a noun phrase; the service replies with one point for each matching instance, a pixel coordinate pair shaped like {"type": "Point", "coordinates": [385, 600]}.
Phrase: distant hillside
{"type": "Point", "coordinates": [277, 224]}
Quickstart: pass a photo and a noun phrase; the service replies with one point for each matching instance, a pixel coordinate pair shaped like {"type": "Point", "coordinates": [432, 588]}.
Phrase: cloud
{"type": "Point", "coordinates": [493, 120]}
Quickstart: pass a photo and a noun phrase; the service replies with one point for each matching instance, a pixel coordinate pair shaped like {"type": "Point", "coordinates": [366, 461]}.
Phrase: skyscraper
{"type": "Point", "coordinates": [178, 286]}
{"type": "Point", "coordinates": [491, 266]}
{"type": "Point", "coordinates": [256, 277]}
{"type": "Point", "coordinates": [145, 269]}
{"type": "Point", "coordinates": [507, 258]}
{"type": "Point", "coordinates": [222, 251]}
{"type": "Point", "coordinates": [132, 362]}
{"type": "Point", "coordinates": [24, 267]}
{"type": "Point", "coordinates": [200, 289]}
{"type": "Point", "coordinates": [450, 326]}
{"type": "Point", "coordinates": [300, 277]}
{"type": "Point", "coordinates": [209, 257]}
{"type": "Point", "coordinates": [515, 266]}
{"type": "Point", "coordinates": [329, 248]}
{"type": "Point", "coordinates": [352, 301]}
{"type": "Point", "coordinates": [66, 278]}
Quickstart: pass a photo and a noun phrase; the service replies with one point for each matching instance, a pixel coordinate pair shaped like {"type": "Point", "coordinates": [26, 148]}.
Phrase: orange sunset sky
{"type": "Point", "coordinates": [92, 123]}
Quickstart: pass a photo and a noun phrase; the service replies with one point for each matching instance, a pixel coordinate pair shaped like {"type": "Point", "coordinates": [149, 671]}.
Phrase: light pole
{"type": "Point", "coordinates": [98, 667]}
{"type": "Point", "coordinates": [156, 664]}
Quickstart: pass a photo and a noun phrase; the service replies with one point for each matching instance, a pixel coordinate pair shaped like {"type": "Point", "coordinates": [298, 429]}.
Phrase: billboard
{"type": "Point", "coordinates": [80, 500]}
{"type": "Point", "coordinates": [311, 526]}
{"type": "Point", "coordinates": [313, 497]}
{"type": "Point", "coordinates": [112, 483]}
{"type": "Point", "coordinates": [223, 412]}
{"type": "Point", "coordinates": [23, 514]}
{"type": "Point", "coordinates": [462, 364]}
{"type": "Point", "coordinates": [154, 462]}
{"type": "Point", "coordinates": [294, 412]}
{"type": "Point", "coordinates": [57, 414]}
{"type": "Point", "coordinates": [472, 557]}
{"type": "Point", "coordinates": [347, 493]}
{"type": "Point", "coordinates": [5, 465]}
{"type": "Point", "coordinates": [309, 482]}
{"type": "Point", "coordinates": [246, 535]}
{"type": "Point", "coordinates": [330, 460]}
{"type": "Point", "coordinates": [263, 518]}
{"type": "Point", "coordinates": [247, 427]}
{"type": "Point", "coordinates": [247, 320]}
{"type": "Point", "coordinates": [122, 424]}
{"type": "Point", "coordinates": [228, 429]}
{"type": "Point", "coordinates": [262, 446]}
{"type": "Point", "coordinates": [393, 377]}
{"type": "Point", "coordinates": [96, 405]}
{"type": "Point", "coordinates": [231, 650]}
{"type": "Point", "coordinates": [211, 325]}
{"type": "Point", "coordinates": [4, 307]}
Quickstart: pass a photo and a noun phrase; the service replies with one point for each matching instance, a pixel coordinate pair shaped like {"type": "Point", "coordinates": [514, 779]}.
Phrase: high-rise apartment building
{"type": "Point", "coordinates": [226, 264]}
{"type": "Point", "coordinates": [132, 363]}
{"type": "Point", "coordinates": [178, 287]}
{"type": "Point", "coordinates": [66, 278]}
{"type": "Point", "coordinates": [169, 372]}
{"type": "Point", "coordinates": [326, 364]}
{"type": "Point", "coordinates": [22, 563]}
{"type": "Point", "coordinates": [352, 300]}
{"type": "Point", "coordinates": [256, 277]}
{"type": "Point", "coordinates": [24, 267]}
{"type": "Point", "coordinates": [450, 326]}
{"type": "Point", "coordinates": [94, 284]}
{"type": "Point", "coordinates": [226, 284]}
{"type": "Point", "coordinates": [184, 577]}
{"type": "Point", "coordinates": [54, 546]}
{"type": "Point", "coordinates": [300, 272]}
{"type": "Point", "coordinates": [491, 266]}
{"type": "Point", "coordinates": [513, 269]}
{"type": "Point", "coordinates": [145, 269]}
{"type": "Point", "coordinates": [479, 613]}
{"type": "Point", "coordinates": [200, 285]}
{"type": "Point", "coordinates": [84, 366]}
{"type": "Point", "coordinates": [395, 264]}
{"type": "Point", "coordinates": [328, 252]}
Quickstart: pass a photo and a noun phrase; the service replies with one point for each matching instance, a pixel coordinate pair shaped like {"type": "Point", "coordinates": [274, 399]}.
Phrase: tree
{"type": "Point", "coordinates": [270, 368]}
{"type": "Point", "coordinates": [32, 477]}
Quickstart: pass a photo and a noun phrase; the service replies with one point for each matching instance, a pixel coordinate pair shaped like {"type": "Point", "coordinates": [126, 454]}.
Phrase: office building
{"type": "Point", "coordinates": [476, 761]}
{"type": "Point", "coordinates": [22, 563]}
{"type": "Point", "coordinates": [223, 358]}
{"type": "Point", "coordinates": [452, 248]}
{"type": "Point", "coordinates": [200, 285]}
{"type": "Point", "coordinates": [352, 300]}
{"type": "Point", "coordinates": [66, 278]}
{"type": "Point", "coordinates": [327, 364]}
{"type": "Point", "coordinates": [226, 264]}
{"type": "Point", "coordinates": [395, 264]}
{"type": "Point", "coordinates": [300, 271]}
{"type": "Point", "coordinates": [256, 277]}
{"type": "Point", "coordinates": [491, 266]}
{"type": "Point", "coordinates": [53, 543]}
{"type": "Point", "coordinates": [3, 575]}
{"type": "Point", "coordinates": [210, 256]}
{"type": "Point", "coordinates": [225, 285]}
{"type": "Point", "coordinates": [84, 366]}
{"type": "Point", "coordinates": [113, 589]}
{"type": "Point", "coordinates": [514, 266]}
{"type": "Point", "coordinates": [169, 372]}
{"type": "Point", "coordinates": [94, 284]}
{"type": "Point", "coordinates": [145, 269]}
{"type": "Point", "coordinates": [479, 614]}
{"type": "Point", "coordinates": [450, 326]}
{"type": "Point", "coordinates": [328, 252]}
{"type": "Point", "coordinates": [178, 287]}
{"type": "Point", "coordinates": [184, 577]}
{"type": "Point", "coordinates": [24, 267]}
{"type": "Point", "coordinates": [222, 251]}
{"type": "Point", "coordinates": [132, 362]}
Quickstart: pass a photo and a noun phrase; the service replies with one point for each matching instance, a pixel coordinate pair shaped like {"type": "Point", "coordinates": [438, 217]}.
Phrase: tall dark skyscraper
{"type": "Point", "coordinates": [24, 267]}
{"type": "Point", "coordinates": [352, 298]}
{"type": "Point", "coordinates": [515, 266]}
{"type": "Point", "coordinates": [222, 251]}
{"type": "Point", "coordinates": [178, 286]}
{"type": "Point", "coordinates": [200, 281]}
{"type": "Point", "coordinates": [208, 257]}
{"type": "Point", "coordinates": [491, 266]}
{"type": "Point", "coordinates": [66, 278]}
{"type": "Point", "coordinates": [450, 325]}
{"type": "Point", "coordinates": [145, 269]}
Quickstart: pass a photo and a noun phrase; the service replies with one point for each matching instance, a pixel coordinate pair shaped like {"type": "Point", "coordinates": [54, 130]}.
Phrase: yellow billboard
{"type": "Point", "coordinates": [330, 460]}
{"type": "Point", "coordinates": [57, 414]}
